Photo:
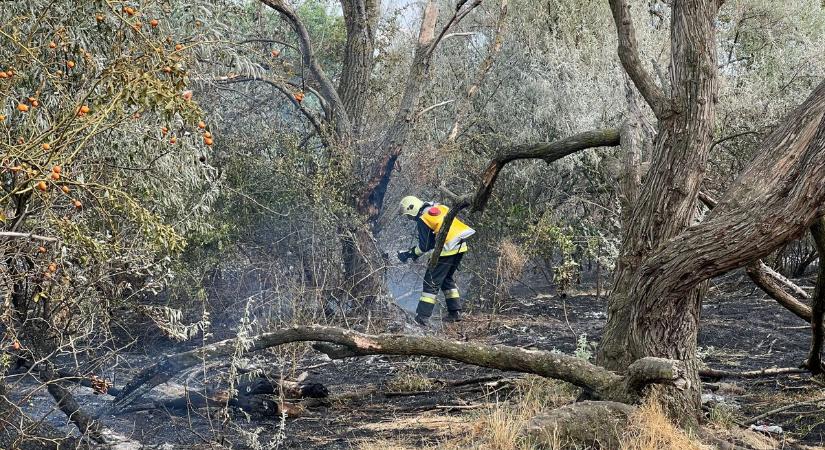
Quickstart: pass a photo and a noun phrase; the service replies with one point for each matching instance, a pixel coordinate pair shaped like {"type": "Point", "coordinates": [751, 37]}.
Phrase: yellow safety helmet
{"type": "Point", "coordinates": [410, 206]}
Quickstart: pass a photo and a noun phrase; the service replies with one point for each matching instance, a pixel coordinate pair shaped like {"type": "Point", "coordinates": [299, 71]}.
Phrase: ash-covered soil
{"type": "Point", "coordinates": [425, 401]}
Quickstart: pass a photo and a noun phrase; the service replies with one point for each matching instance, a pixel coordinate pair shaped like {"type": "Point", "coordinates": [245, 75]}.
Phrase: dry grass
{"type": "Point", "coordinates": [409, 381]}
{"type": "Point", "coordinates": [650, 429]}
{"type": "Point", "coordinates": [500, 427]}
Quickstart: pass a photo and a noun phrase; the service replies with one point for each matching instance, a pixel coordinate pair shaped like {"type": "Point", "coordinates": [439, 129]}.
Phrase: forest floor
{"type": "Point", "coordinates": [396, 402]}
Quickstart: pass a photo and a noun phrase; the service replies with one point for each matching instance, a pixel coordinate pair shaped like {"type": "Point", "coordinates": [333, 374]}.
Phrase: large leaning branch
{"type": "Point", "coordinates": [548, 151]}
{"type": "Point", "coordinates": [771, 282]}
{"type": "Point", "coordinates": [629, 56]}
{"type": "Point", "coordinates": [342, 125]}
{"type": "Point", "coordinates": [601, 382]}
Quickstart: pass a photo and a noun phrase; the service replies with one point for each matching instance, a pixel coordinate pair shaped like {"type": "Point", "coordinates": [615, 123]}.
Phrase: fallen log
{"type": "Point", "coordinates": [775, 284]}
{"type": "Point", "coordinates": [716, 374]}
{"type": "Point", "coordinates": [602, 383]}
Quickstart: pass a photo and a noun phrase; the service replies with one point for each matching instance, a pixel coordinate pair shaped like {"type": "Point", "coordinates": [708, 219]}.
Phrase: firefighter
{"type": "Point", "coordinates": [428, 217]}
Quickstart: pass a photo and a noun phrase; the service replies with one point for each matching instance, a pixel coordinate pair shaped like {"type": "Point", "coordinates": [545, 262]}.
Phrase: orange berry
{"type": "Point", "coordinates": [65, 189]}
{"type": "Point", "coordinates": [201, 125]}
{"type": "Point", "coordinates": [164, 130]}
{"type": "Point", "coordinates": [154, 23]}
{"type": "Point", "coordinates": [178, 47]}
{"type": "Point", "coordinates": [52, 44]}
{"type": "Point", "coordinates": [77, 203]}
{"type": "Point", "coordinates": [35, 103]}
{"type": "Point", "coordinates": [207, 135]}
{"type": "Point", "coordinates": [10, 73]}
{"type": "Point", "coordinates": [208, 141]}
{"type": "Point", "coordinates": [129, 10]}
{"type": "Point", "coordinates": [173, 140]}
{"type": "Point", "coordinates": [52, 267]}
{"type": "Point", "coordinates": [41, 249]}
{"type": "Point", "coordinates": [99, 17]}
{"type": "Point", "coordinates": [187, 95]}
{"type": "Point", "coordinates": [275, 53]}
{"type": "Point", "coordinates": [15, 345]}
{"type": "Point", "coordinates": [299, 96]}
{"type": "Point", "coordinates": [57, 169]}
{"type": "Point", "coordinates": [70, 64]}
{"type": "Point", "coordinates": [137, 26]}
{"type": "Point", "coordinates": [55, 176]}
{"type": "Point", "coordinates": [4, 75]}
{"type": "Point", "coordinates": [46, 146]}
{"type": "Point", "coordinates": [42, 186]}
{"type": "Point", "coordinates": [22, 108]}
{"type": "Point", "coordinates": [2, 117]}
{"type": "Point", "coordinates": [167, 69]}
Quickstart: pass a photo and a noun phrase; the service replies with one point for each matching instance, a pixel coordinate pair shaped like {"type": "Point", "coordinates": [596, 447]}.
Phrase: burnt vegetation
{"type": "Point", "coordinates": [199, 223]}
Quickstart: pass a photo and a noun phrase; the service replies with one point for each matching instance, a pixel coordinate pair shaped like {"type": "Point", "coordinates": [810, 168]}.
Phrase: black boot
{"type": "Point", "coordinates": [453, 316]}
{"type": "Point", "coordinates": [422, 320]}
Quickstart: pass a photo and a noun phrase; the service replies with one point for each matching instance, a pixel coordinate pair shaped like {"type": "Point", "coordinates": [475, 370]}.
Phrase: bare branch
{"type": "Point", "coordinates": [313, 119]}
{"type": "Point", "coordinates": [548, 151]}
{"type": "Point", "coordinates": [432, 107]}
{"type": "Point", "coordinates": [464, 104]}
{"type": "Point", "coordinates": [462, 9]}
{"type": "Point", "coordinates": [14, 234]}
{"type": "Point", "coordinates": [629, 56]}
{"type": "Point", "coordinates": [342, 123]}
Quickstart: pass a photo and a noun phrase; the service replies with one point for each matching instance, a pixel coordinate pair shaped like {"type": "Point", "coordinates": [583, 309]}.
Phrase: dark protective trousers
{"type": "Point", "coordinates": [441, 277]}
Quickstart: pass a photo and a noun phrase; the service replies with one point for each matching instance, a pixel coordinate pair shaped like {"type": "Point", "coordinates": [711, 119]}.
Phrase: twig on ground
{"type": "Point", "coordinates": [754, 419]}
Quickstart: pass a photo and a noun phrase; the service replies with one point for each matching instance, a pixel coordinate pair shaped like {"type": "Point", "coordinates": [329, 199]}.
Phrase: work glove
{"type": "Point", "coordinates": [409, 254]}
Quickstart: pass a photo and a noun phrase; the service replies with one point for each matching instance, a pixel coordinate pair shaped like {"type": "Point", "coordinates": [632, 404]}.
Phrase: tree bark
{"type": "Point", "coordinates": [360, 17]}
{"type": "Point", "coordinates": [814, 361]}
{"type": "Point", "coordinates": [667, 200]}
{"type": "Point", "coordinates": [776, 198]}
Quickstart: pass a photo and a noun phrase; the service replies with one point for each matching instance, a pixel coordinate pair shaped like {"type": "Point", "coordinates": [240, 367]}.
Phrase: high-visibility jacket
{"type": "Point", "coordinates": [429, 221]}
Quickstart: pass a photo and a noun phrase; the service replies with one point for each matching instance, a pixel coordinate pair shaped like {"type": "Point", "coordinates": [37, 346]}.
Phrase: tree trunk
{"type": "Point", "coordinates": [776, 198]}
{"type": "Point", "coordinates": [667, 200]}
{"type": "Point", "coordinates": [814, 361]}
{"type": "Point", "coordinates": [360, 17]}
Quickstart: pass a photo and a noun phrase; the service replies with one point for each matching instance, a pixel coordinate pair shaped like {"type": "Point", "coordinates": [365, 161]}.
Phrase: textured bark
{"type": "Point", "coordinates": [629, 55]}
{"type": "Point", "coordinates": [667, 200]}
{"type": "Point", "coordinates": [602, 383]}
{"type": "Point", "coordinates": [814, 361]}
{"type": "Point", "coordinates": [776, 198]}
{"type": "Point", "coordinates": [360, 17]}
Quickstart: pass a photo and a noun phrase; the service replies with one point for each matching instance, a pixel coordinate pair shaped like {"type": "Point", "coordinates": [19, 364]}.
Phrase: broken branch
{"type": "Point", "coordinates": [601, 382]}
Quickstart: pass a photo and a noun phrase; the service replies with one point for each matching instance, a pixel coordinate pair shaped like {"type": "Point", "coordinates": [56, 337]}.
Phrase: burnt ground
{"type": "Point", "coordinates": [412, 401]}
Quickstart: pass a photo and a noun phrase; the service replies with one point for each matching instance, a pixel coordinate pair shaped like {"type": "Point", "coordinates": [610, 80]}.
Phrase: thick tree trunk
{"type": "Point", "coordinates": [360, 17]}
{"type": "Point", "coordinates": [775, 199]}
{"type": "Point", "coordinates": [667, 201]}
{"type": "Point", "coordinates": [814, 361]}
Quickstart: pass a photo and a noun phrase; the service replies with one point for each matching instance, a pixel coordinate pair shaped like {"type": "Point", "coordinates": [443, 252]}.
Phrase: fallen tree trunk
{"type": "Point", "coordinates": [764, 277]}
{"type": "Point", "coordinates": [602, 383]}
